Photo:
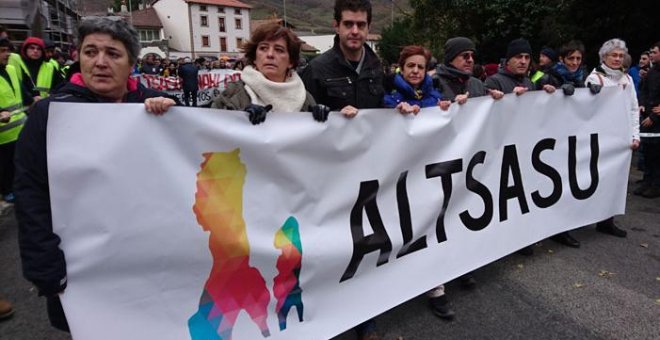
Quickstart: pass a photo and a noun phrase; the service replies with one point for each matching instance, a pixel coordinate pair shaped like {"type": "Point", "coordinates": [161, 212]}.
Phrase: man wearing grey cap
{"type": "Point", "coordinates": [513, 77]}
{"type": "Point", "coordinates": [454, 76]}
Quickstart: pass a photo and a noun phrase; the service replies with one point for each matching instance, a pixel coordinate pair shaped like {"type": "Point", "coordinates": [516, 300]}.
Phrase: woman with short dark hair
{"type": "Point", "coordinates": [269, 80]}
{"type": "Point", "coordinates": [108, 51]}
{"type": "Point", "coordinates": [413, 88]}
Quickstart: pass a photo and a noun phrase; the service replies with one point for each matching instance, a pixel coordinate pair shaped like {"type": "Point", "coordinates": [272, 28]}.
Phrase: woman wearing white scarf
{"type": "Point", "coordinates": [611, 73]}
{"type": "Point", "coordinates": [270, 82]}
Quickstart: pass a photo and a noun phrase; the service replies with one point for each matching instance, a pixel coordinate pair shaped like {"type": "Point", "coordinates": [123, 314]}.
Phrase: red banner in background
{"type": "Point", "coordinates": [211, 84]}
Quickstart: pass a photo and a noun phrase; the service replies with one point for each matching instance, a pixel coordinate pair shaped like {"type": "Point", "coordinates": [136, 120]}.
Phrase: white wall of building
{"type": "Point", "coordinates": [173, 14]}
{"type": "Point", "coordinates": [212, 30]}
{"type": "Point", "coordinates": [321, 42]}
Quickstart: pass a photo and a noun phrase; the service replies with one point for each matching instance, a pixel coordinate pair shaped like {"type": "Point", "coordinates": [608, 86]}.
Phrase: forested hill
{"type": "Point", "coordinates": [316, 15]}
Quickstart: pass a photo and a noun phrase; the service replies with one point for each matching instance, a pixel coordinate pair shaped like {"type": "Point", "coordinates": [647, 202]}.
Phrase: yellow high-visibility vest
{"type": "Point", "coordinates": [11, 99]}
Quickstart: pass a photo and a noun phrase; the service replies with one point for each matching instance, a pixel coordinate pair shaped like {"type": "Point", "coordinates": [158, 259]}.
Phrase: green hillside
{"type": "Point", "coordinates": [316, 15]}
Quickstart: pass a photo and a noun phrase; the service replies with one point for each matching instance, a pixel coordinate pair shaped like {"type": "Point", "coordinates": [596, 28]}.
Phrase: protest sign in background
{"type": "Point", "coordinates": [197, 224]}
{"type": "Point", "coordinates": [211, 84]}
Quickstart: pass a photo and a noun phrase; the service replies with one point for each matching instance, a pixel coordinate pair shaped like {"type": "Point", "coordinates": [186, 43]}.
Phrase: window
{"type": "Point", "coordinates": [149, 35]}
{"type": "Point", "coordinates": [221, 9]}
{"type": "Point", "coordinates": [204, 21]}
{"type": "Point", "coordinates": [221, 24]}
{"type": "Point", "coordinates": [205, 41]}
{"type": "Point", "coordinates": [223, 44]}
{"type": "Point", "coordinates": [239, 43]}
{"type": "Point", "coordinates": [238, 24]}
{"type": "Point", "coordinates": [237, 11]}
{"type": "Point", "coordinates": [202, 8]}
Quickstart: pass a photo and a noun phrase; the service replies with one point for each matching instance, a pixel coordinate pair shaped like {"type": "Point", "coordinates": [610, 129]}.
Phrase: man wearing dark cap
{"type": "Point", "coordinates": [547, 59]}
{"type": "Point", "coordinates": [454, 76]}
{"type": "Point", "coordinates": [513, 77]}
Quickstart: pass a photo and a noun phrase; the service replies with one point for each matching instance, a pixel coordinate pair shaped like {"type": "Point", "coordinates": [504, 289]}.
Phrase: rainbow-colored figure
{"type": "Point", "coordinates": [286, 286]}
{"type": "Point", "coordinates": [233, 285]}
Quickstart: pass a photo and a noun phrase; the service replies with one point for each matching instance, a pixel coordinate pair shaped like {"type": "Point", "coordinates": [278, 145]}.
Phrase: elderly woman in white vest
{"type": "Point", "coordinates": [611, 73]}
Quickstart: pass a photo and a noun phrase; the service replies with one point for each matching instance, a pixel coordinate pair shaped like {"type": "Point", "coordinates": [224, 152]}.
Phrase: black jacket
{"type": "Point", "coordinates": [453, 82]}
{"type": "Point", "coordinates": [505, 81]}
{"type": "Point", "coordinates": [42, 259]}
{"type": "Point", "coordinates": [649, 97]}
{"type": "Point", "coordinates": [189, 75]}
{"type": "Point", "coordinates": [333, 81]}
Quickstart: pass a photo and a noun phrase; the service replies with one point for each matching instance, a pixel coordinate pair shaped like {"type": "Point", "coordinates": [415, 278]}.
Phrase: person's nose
{"type": "Point", "coordinates": [101, 60]}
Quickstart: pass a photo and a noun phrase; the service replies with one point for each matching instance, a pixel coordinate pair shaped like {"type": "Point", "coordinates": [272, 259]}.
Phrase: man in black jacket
{"type": "Point", "coordinates": [349, 76]}
{"type": "Point", "coordinates": [454, 76]}
{"type": "Point", "coordinates": [513, 77]}
{"type": "Point", "coordinates": [189, 74]}
{"type": "Point", "coordinates": [650, 127]}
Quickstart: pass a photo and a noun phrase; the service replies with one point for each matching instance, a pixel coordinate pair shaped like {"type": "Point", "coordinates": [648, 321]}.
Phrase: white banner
{"type": "Point", "coordinates": [199, 225]}
{"type": "Point", "coordinates": [210, 84]}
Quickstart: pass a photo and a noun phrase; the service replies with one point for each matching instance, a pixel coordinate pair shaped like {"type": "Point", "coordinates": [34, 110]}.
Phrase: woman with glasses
{"type": "Point", "coordinates": [611, 73]}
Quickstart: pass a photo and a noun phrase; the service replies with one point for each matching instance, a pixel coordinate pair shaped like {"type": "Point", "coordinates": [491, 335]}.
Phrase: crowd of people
{"type": "Point", "coordinates": [347, 78]}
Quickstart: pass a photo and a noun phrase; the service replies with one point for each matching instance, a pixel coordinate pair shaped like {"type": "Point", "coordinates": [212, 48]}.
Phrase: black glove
{"type": "Point", "coordinates": [257, 113]}
{"type": "Point", "coordinates": [568, 89]}
{"type": "Point", "coordinates": [594, 88]}
{"type": "Point", "coordinates": [319, 112]}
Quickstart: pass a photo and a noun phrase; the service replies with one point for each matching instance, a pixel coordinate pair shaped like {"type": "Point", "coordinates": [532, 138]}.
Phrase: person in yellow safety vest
{"type": "Point", "coordinates": [12, 118]}
{"type": "Point", "coordinates": [50, 55]}
{"type": "Point", "coordinates": [39, 76]}
{"type": "Point", "coordinates": [547, 59]}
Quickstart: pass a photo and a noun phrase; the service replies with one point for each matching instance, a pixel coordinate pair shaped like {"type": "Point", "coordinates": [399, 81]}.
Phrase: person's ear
{"type": "Point", "coordinates": [335, 25]}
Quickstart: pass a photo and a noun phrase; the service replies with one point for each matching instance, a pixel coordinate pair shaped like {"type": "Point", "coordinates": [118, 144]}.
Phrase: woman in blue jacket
{"type": "Point", "coordinates": [413, 88]}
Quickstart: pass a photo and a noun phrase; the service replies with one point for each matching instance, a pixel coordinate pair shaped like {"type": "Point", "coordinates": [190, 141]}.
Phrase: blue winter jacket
{"type": "Point", "coordinates": [425, 96]}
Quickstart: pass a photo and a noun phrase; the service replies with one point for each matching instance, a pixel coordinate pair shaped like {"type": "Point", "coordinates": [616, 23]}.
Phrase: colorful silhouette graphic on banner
{"type": "Point", "coordinates": [233, 285]}
{"type": "Point", "coordinates": [287, 284]}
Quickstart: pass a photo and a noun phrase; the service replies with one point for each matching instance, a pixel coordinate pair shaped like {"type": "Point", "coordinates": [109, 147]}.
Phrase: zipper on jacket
{"type": "Point", "coordinates": [336, 80]}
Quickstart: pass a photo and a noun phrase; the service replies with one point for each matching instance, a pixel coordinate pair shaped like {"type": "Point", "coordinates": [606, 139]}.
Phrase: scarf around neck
{"type": "Point", "coordinates": [612, 73]}
{"type": "Point", "coordinates": [568, 76]}
{"type": "Point", "coordinates": [288, 96]}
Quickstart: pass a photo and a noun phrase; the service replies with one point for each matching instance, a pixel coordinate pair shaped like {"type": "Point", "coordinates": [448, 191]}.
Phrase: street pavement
{"type": "Point", "coordinates": [607, 289]}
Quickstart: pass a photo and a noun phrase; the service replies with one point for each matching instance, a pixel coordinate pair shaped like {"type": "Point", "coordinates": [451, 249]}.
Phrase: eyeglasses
{"type": "Point", "coordinates": [616, 55]}
{"type": "Point", "coordinates": [467, 55]}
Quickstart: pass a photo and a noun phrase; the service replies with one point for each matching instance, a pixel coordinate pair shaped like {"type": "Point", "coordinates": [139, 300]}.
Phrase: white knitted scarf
{"type": "Point", "coordinates": [613, 74]}
{"type": "Point", "coordinates": [288, 96]}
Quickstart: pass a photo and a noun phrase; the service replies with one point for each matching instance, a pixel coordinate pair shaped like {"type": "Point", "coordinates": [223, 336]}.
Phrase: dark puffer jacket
{"type": "Point", "coordinates": [453, 82]}
{"type": "Point", "coordinates": [42, 259]}
{"type": "Point", "coordinates": [506, 81]}
{"type": "Point", "coordinates": [333, 81]}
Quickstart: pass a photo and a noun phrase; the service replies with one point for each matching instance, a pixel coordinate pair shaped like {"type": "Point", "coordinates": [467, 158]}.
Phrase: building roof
{"type": "Point", "coordinates": [225, 3]}
{"type": "Point", "coordinates": [146, 18]}
{"type": "Point", "coordinates": [256, 23]}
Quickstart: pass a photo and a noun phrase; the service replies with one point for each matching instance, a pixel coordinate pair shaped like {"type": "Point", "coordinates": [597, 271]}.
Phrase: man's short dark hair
{"type": "Point", "coordinates": [655, 45]}
{"type": "Point", "coordinates": [570, 47]}
{"type": "Point", "coordinates": [353, 6]}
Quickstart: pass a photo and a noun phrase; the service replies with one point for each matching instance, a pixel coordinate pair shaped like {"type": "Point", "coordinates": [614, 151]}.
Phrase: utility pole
{"type": "Point", "coordinates": [284, 5]}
